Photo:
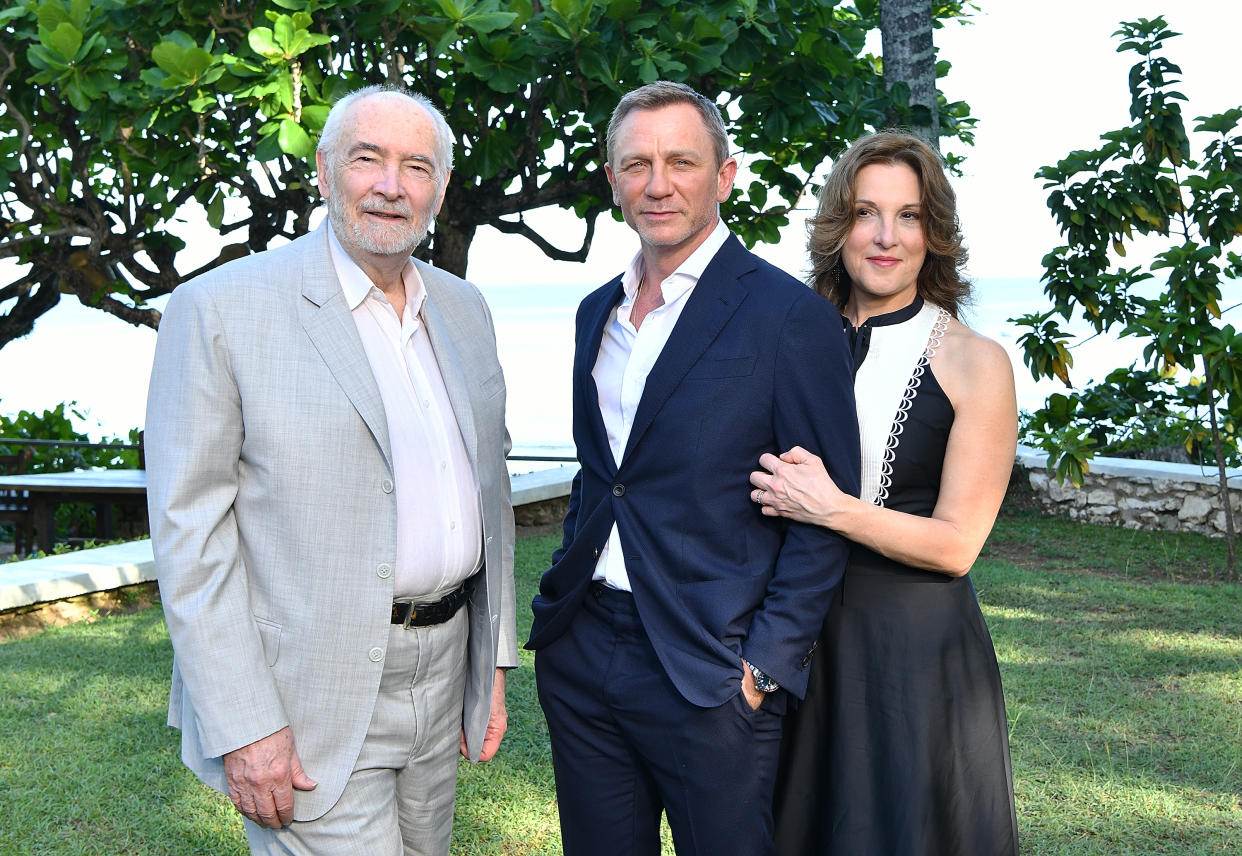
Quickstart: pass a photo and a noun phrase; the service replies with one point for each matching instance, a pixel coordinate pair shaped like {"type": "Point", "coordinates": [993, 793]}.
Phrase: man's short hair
{"type": "Point", "coordinates": [329, 138]}
{"type": "Point", "coordinates": [662, 93]}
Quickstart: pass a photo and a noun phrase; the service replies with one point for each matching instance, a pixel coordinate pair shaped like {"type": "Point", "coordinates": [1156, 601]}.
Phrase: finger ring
{"type": "Point", "coordinates": [759, 496]}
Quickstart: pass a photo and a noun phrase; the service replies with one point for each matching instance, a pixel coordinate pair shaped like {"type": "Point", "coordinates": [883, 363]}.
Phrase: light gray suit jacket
{"type": "Point", "coordinates": [273, 515]}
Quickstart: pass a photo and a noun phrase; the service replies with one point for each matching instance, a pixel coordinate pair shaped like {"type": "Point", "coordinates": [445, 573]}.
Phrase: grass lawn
{"type": "Point", "coordinates": [1121, 656]}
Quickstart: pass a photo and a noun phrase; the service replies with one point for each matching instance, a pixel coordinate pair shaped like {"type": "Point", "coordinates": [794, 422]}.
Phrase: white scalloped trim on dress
{"type": "Point", "coordinates": [907, 399]}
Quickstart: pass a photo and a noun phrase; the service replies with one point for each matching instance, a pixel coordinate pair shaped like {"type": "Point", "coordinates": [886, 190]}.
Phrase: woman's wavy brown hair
{"type": "Point", "coordinates": [941, 279]}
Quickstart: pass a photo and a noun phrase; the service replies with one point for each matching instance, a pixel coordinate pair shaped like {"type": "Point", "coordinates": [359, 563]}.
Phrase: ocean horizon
{"type": "Point", "coordinates": [80, 354]}
{"type": "Point", "coordinates": [535, 330]}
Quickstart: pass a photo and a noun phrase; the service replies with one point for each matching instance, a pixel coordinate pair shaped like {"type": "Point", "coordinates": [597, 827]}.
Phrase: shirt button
{"type": "Point", "coordinates": [386, 485]}
{"type": "Point", "coordinates": [453, 524]}
{"type": "Point", "coordinates": [443, 465]}
{"type": "Point", "coordinates": [375, 655]}
{"type": "Point", "coordinates": [618, 490]}
{"type": "Point", "coordinates": [426, 403]}
{"type": "Point", "coordinates": [384, 571]}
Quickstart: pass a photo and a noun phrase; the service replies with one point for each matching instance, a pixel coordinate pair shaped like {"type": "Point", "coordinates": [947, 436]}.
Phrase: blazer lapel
{"type": "Point", "coordinates": [331, 328]}
{"type": "Point", "coordinates": [437, 315]}
{"type": "Point", "coordinates": [595, 316]}
{"type": "Point", "coordinates": [715, 298]}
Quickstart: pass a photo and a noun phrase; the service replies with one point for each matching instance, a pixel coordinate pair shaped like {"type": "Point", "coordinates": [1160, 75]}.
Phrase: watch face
{"type": "Point", "coordinates": [763, 683]}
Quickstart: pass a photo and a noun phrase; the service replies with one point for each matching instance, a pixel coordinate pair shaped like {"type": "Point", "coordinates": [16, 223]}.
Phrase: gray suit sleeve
{"type": "Point", "coordinates": [193, 442]}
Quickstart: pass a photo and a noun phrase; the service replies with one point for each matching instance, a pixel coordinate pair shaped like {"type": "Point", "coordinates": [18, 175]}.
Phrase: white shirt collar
{"type": "Point", "coordinates": [357, 285]}
{"type": "Point", "coordinates": [687, 273]}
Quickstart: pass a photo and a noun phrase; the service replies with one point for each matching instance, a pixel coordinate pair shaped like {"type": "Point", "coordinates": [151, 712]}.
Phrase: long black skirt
{"type": "Point", "coordinates": [901, 747]}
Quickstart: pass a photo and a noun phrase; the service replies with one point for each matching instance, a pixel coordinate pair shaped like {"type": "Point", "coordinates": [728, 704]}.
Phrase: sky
{"type": "Point", "coordinates": [1043, 79]}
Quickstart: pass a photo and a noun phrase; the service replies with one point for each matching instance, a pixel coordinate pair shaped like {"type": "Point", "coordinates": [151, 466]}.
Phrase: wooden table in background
{"type": "Point", "coordinates": [101, 488]}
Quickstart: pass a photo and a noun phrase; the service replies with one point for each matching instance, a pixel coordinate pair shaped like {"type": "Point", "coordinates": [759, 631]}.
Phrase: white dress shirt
{"type": "Point", "coordinates": [439, 519]}
{"type": "Point", "coordinates": [625, 358]}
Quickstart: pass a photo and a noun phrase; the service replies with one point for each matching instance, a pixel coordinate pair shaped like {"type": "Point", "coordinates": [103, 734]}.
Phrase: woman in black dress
{"type": "Point", "coordinates": [901, 746]}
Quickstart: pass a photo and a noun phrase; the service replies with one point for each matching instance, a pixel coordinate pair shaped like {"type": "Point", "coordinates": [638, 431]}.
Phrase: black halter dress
{"type": "Point", "coordinates": [901, 745]}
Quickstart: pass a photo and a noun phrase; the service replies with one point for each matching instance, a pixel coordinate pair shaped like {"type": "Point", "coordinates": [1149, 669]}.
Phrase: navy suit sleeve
{"type": "Point", "coordinates": [813, 408]}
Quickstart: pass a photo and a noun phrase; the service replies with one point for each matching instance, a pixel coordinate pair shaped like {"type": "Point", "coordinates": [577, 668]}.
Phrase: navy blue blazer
{"type": "Point", "coordinates": [756, 363]}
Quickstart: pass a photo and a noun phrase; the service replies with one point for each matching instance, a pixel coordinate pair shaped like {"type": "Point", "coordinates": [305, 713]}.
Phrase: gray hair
{"type": "Point", "coordinates": [662, 93]}
{"type": "Point", "coordinates": [329, 138]}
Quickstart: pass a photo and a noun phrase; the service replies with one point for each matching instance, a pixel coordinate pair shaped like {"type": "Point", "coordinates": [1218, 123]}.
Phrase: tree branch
{"type": "Point", "coordinates": [19, 320]}
{"type": "Point", "coordinates": [578, 255]}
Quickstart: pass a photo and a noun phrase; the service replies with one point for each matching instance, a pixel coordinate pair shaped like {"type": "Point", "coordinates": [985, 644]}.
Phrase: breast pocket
{"type": "Point", "coordinates": [712, 369]}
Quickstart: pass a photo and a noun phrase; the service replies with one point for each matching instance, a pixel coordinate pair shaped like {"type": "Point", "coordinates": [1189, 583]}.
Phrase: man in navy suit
{"type": "Point", "coordinates": [676, 619]}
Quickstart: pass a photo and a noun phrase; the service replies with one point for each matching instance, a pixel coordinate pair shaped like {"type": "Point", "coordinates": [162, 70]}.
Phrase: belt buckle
{"type": "Point", "coordinates": [409, 616]}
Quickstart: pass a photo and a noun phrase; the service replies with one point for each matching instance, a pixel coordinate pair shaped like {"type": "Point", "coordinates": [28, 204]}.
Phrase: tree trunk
{"type": "Point", "coordinates": [910, 58]}
{"type": "Point", "coordinates": [1221, 474]}
{"type": "Point", "coordinates": [450, 246]}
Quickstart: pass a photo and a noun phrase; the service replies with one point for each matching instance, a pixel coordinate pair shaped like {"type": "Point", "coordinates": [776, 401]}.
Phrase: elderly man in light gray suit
{"type": "Point", "coordinates": [327, 485]}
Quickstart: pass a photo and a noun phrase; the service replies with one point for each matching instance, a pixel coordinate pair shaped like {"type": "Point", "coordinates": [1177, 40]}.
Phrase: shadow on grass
{"type": "Point", "coordinates": [1125, 698]}
{"type": "Point", "coordinates": [1030, 539]}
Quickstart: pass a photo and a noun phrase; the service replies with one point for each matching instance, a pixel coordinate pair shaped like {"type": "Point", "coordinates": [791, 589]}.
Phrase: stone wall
{"type": "Point", "coordinates": [1137, 494]}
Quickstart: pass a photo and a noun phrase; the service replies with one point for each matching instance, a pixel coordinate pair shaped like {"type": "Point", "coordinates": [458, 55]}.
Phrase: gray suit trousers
{"type": "Point", "coordinates": [399, 798]}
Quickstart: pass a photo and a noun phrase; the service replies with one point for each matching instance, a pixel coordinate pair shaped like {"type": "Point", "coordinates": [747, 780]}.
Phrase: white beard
{"type": "Point", "coordinates": [376, 238]}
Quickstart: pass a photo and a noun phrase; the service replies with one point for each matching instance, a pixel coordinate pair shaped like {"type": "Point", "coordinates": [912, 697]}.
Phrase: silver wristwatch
{"type": "Point", "coordinates": [763, 683]}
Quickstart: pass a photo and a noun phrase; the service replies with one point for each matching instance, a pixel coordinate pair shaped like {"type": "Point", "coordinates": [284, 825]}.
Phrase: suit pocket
{"type": "Point", "coordinates": [724, 607]}
{"type": "Point", "coordinates": [492, 385]}
{"type": "Point", "coordinates": [269, 634]}
{"type": "Point", "coordinates": [708, 369]}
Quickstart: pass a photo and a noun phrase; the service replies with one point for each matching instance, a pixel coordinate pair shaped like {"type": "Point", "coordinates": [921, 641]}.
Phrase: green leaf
{"type": "Point", "coordinates": [188, 63]}
{"type": "Point", "coordinates": [451, 10]}
{"type": "Point", "coordinates": [268, 149]}
{"type": "Point", "coordinates": [51, 15]}
{"type": "Point", "coordinates": [215, 211]}
{"type": "Point", "coordinates": [315, 116]}
{"type": "Point", "coordinates": [1219, 123]}
{"type": "Point", "coordinates": [450, 35]}
{"type": "Point", "coordinates": [64, 40]}
{"type": "Point", "coordinates": [487, 22]}
{"type": "Point", "coordinates": [294, 140]}
{"type": "Point", "coordinates": [263, 43]}
{"type": "Point", "coordinates": [80, 100]}
{"type": "Point", "coordinates": [283, 32]}
{"type": "Point", "coordinates": [11, 14]}
{"type": "Point", "coordinates": [41, 58]}
{"type": "Point", "coordinates": [304, 41]}
{"type": "Point", "coordinates": [78, 12]}
{"type": "Point", "coordinates": [285, 89]}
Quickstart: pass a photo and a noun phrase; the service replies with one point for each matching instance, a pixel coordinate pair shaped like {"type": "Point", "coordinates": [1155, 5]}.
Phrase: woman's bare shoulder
{"type": "Point", "coordinates": [969, 364]}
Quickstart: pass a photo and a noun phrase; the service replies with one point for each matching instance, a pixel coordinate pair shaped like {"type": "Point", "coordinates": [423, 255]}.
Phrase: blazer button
{"type": "Point", "coordinates": [386, 485]}
{"type": "Point", "coordinates": [384, 571]}
{"type": "Point", "coordinates": [375, 655]}
{"type": "Point", "coordinates": [618, 490]}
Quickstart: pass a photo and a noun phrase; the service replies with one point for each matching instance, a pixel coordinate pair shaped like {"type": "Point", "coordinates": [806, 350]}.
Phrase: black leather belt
{"type": "Point", "coordinates": [409, 614]}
